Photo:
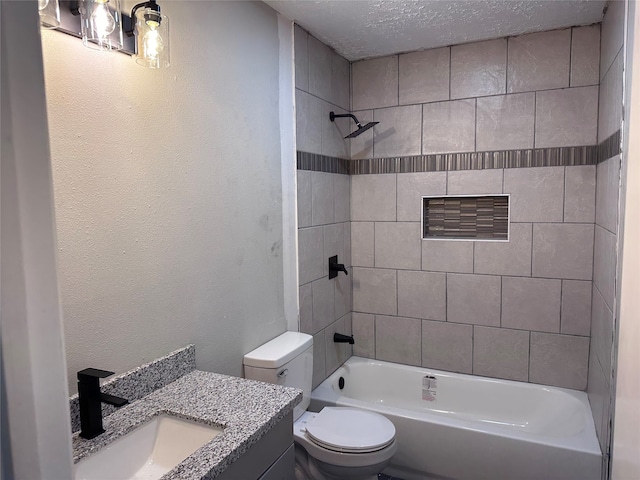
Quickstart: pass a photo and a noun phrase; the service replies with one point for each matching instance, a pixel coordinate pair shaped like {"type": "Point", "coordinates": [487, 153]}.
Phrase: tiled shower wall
{"type": "Point", "coordinates": [518, 310]}
{"type": "Point", "coordinates": [322, 85]}
{"type": "Point", "coordinates": [604, 314]}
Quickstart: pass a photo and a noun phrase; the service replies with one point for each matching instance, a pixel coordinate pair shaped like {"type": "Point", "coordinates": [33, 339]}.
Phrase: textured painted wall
{"type": "Point", "coordinates": [168, 192]}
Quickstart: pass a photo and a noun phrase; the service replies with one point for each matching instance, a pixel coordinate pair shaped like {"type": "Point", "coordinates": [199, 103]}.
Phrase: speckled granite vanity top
{"type": "Point", "coordinates": [246, 410]}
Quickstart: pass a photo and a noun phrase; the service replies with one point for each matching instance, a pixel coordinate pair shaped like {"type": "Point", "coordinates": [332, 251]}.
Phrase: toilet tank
{"type": "Point", "coordinates": [286, 360]}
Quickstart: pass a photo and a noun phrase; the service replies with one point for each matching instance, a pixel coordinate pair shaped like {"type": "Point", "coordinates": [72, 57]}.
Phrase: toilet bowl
{"type": "Point", "coordinates": [335, 443]}
{"type": "Point", "coordinates": [342, 443]}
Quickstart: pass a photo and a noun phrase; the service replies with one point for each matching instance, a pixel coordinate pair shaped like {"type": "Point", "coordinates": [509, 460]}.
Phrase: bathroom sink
{"type": "Point", "coordinates": [148, 452]}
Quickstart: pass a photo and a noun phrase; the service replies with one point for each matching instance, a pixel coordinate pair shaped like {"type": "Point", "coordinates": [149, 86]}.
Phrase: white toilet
{"type": "Point", "coordinates": [338, 442]}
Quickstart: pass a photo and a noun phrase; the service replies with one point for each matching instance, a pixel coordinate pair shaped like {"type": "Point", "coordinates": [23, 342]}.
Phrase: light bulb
{"type": "Point", "coordinates": [102, 22]}
{"type": "Point", "coordinates": [42, 4]}
{"type": "Point", "coordinates": [152, 43]}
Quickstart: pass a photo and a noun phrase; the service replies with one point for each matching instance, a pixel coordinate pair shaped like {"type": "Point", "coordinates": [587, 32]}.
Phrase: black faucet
{"type": "Point", "coordinates": [90, 398]}
{"type": "Point", "coordinates": [340, 338]}
{"type": "Point", "coordinates": [335, 267]}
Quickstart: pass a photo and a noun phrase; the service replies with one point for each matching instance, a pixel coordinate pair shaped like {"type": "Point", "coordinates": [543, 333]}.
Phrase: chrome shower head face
{"type": "Point", "coordinates": [361, 130]}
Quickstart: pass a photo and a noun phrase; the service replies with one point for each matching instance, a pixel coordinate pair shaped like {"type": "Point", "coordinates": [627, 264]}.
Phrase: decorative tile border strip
{"type": "Point", "coordinates": [538, 157]}
{"type": "Point", "coordinates": [141, 381]}
{"type": "Point", "coordinates": [322, 163]}
{"type": "Point", "coordinates": [535, 157]}
{"type": "Point", "coordinates": [610, 147]}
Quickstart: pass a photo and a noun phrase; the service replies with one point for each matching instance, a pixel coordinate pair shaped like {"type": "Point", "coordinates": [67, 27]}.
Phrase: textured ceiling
{"type": "Point", "coordinates": [359, 29]}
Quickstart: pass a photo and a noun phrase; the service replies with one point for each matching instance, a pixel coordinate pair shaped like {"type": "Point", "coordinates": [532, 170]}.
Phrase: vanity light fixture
{"type": "Point", "coordinates": [151, 30]}
{"type": "Point", "coordinates": [49, 11]}
{"type": "Point", "coordinates": [101, 25]}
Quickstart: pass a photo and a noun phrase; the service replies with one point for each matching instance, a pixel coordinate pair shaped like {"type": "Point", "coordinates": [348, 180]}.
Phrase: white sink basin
{"type": "Point", "coordinates": [148, 452]}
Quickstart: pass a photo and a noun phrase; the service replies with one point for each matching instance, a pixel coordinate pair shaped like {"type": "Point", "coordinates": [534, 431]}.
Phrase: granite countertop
{"type": "Point", "coordinates": [246, 409]}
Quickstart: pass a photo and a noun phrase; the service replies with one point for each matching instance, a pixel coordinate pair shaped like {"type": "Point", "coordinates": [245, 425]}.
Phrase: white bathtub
{"type": "Point", "coordinates": [475, 427]}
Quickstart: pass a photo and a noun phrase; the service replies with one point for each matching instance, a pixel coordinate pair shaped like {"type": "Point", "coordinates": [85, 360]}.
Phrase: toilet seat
{"type": "Point", "coordinates": [350, 430]}
{"type": "Point", "coordinates": [331, 456]}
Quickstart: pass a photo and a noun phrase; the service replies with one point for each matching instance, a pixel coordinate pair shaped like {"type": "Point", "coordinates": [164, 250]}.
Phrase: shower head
{"type": "Point", "coordinates": [361, 128]}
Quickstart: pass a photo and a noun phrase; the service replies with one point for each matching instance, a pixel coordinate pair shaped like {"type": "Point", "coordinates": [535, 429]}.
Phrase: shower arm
{"type": "Point", "coordinates": [333, 116]}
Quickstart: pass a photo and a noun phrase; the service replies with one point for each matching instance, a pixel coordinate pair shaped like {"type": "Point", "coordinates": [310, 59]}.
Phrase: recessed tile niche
{"type": "Point", "coordinates": [480, 217]}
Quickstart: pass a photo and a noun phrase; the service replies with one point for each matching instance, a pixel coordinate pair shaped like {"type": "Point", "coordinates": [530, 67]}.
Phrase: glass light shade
{"type": "Point", "coordinates": [152, 39]}
{"type": "Point", "coordinates": [49, 11]}
{"type": "Point", "coordinates": [101, 22]}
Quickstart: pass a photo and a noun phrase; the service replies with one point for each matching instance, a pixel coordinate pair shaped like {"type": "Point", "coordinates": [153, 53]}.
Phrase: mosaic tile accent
{"type": "Point", "coordinates": [609, 147]}
{"type": "Point", "coordinates": [537, 157]}
{"type": "Point", "coordinates": [322, 163]}
{"type": "Point", "coordinates": [141, 381]}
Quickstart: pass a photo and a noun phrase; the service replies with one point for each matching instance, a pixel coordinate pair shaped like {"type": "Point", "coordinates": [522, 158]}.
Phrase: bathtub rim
{"type": "Point", "coordinates": [585, 441]}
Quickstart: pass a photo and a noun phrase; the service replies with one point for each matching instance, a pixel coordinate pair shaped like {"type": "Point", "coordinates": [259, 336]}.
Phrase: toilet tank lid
{"type": "Point", "coordinates": [279, 351]}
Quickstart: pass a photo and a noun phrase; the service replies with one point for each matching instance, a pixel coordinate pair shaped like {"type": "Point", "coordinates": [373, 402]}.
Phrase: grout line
{"type": "Point", "coordinates": [398, 90]}
{"type": "Point", "coordinates": [529, 360]}
{"type": "Point", "coordinates": [506, 73]}
{"type": "Point", "coordinates": [501, 282]}
{"type": "Point", "coordinates": [571, 55]}
{"type": "Point", "coordinates": [475, 126]}
{"type": "Point", "coordinates": [535, 117]}
{"type": "Point", "coordinates": [561, 297]}
{"type": "Point", "coordinates": [450, 49]}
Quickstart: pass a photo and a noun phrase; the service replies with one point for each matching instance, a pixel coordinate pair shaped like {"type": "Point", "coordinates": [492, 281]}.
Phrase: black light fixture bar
{"type": "Point", "coordinates": [70, 24]}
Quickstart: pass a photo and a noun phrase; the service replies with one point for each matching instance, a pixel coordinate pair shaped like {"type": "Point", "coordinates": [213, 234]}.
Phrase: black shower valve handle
{"type": "Point", "coordinates": [335, 267]}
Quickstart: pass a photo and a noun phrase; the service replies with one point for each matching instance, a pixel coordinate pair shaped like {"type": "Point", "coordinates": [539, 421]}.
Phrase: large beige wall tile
{"type": "Point", "coordinates": [319, 68]}
{"type": "Point", "coordinates": [537, 194]}
{"type": "Point", "coordinates": [422, 295]}
{"type": "Point", "coordinates": [373, 197]}
{"type": "Point", "coordinates": [310, 254]}
{"type": "Point", "coordinates": [322, 199]}
{"type": "Point", "coordinates": [447, 346]}
{"type": "Point", "coordinates": [474, 182]}
{"type": "Point", "coordinates": [539, 61]}
{"type": "Point", "coordinates": [610, 99]}
{"type": "Point", "coordinates": [562, 250]}
{"type": "Point", "coordinates": [340, 76]}
{"type": "Point", "coordinates": [375, 291]}
{"type": "Point", "coordinates": [412, 187]}
{"type": "Point", "coordinates": [598, 392]}
{"type": "Point", "coordinates": [505, 122]}
{"type": "Point", "coordinates": [506, 258]}
{"type": "Point", "coordinates": [397, 245]}
{"type": "Point", "coordinates": [374, 83]}
{"type": "Point", "coordinates": [399, 340]}
{"type": "Point", "coordinates": [364, 333]}
{"type": "Point", "coordinates": [560, 360]}
{"type": "Point", "coordinates": [343, 291]}
{"type": "Point", "coordinates": [449, 127]}
{"type": "Point", "coordinates": [531, 304]}
{"type": "Point", "coordinates": [605, 263]}
{"type": "Point", "coordinates": [305, 299]}
{"type": "Point", "coordinates": [612, 34]}
{"type": "Point", "coordinates": [601, 330]}
{"type": "Point", "coordinates": [501, 353]}
{"type": "Point", "coordinates": [567, 117]}
{"type": "Point", "coordinates": [304, 198]}
{"type": "Point", "coordinates": [399, 132]}
{"type": "Point", "coordinates": [333, 143]}
{"type": "Point", "coordinates": [319, 355]}
{"type": "Point", "coordinates": [337, 353]}
{"type": "Point", "coordinates": [323, 303]}
{"type": "Point", "coordinates": [342, 200]}
{"type": "Point", "coordinates": [301, 58]}
{"type": "Point", "coordinates": [362, 237]}
{"type": "Point", "coordinates": [607, 192]}
{"type": "Point", "coordinates": [424, 76]}
{"type": "Point", "coordinates": [308, 122]}
{"type": "Point", "coordinates": [575, 317]}
{"type": "Point", "coordinates": [333, 242]}
{"type": "Point", "coordinates": [478, 69]}
{"type": "Point", "coordinates": [585, 56]}
{"type": "Point", "coordinates": [473, 299]}
{"type": "Point", "coordinates": [580, 194]}
{"type": "Point", "coordinates": [447, 256]}
{"type": "Point", "coordinates": [362, 145]}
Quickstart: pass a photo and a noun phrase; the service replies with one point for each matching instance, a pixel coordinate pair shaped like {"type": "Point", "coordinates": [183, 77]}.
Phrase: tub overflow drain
{"type": "Point", "coordinates": [341, 383]}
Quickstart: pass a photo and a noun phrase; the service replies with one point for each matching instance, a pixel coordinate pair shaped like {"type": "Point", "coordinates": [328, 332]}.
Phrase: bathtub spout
{"type": "Point", "coordinates": [340, 338]}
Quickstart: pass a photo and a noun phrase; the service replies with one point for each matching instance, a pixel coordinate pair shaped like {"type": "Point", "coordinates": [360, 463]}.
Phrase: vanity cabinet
{"type": "Point", "coordinates": [271, 458]}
